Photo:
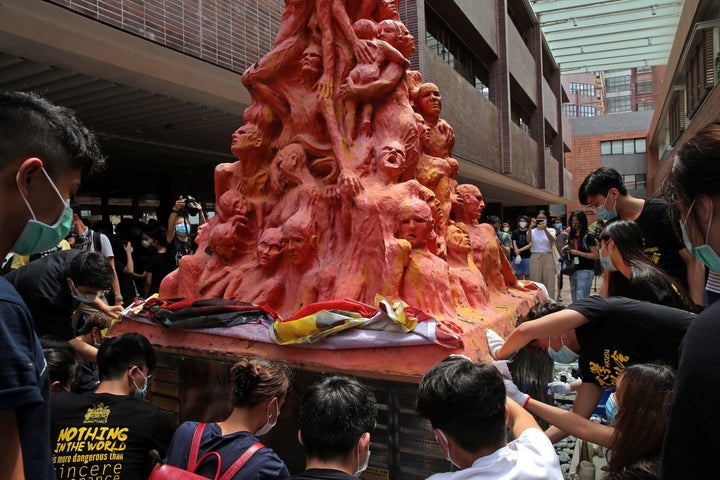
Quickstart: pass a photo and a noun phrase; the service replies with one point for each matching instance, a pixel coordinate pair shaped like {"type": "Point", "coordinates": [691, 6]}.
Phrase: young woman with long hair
{"type": "Point", "coordinates": [632, 273]}
{"type": "Point", "coordinates": [643, 396]}
{"type": "Point", "coordinates": [582, 251]}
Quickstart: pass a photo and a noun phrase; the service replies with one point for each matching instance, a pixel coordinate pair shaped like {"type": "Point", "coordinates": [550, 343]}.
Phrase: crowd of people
{"type": "Point", "coordinates": [73, 405]}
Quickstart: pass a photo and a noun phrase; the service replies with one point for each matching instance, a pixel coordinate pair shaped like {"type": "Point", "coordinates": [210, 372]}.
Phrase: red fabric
{"type": "Point", "coordinates": [366, 311]}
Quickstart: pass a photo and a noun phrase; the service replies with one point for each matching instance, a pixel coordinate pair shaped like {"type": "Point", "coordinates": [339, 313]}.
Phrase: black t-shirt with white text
{"type": "Point", "coordinates": [520, 237]}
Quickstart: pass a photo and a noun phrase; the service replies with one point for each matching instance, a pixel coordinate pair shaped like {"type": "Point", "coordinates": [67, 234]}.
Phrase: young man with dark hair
{"type": "Point", "coordinates": [109, 432]}
{"type": "Point", "coordinates": [337, 416]}
{"type": "Point", "coordinates": [43, 151]}
{"type": "Point", "coordinates": [504, 237]}
{"type": "Point", "coordinates": [605, 192]}
{"type": "Point", "coordinates": [468, 410]}
{"type": "Point", "coordinates": [58, 286]}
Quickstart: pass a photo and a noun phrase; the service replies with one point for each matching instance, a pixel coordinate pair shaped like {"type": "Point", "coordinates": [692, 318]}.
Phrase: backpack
{"type": "Point", "coordinates": [169, 472]}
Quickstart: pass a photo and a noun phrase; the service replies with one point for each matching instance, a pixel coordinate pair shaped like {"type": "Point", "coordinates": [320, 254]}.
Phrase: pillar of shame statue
{"type": "Point", "coordinates": [345, 185]}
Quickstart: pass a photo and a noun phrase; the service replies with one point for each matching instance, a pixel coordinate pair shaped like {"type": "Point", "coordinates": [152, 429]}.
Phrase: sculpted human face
{"type": "Point", "coordinates": [387, 10]}
{"type": "Point", "coordinates": [429, 100]}
{"type": "Point", "coordinates": [299, 244]}
{"type": "Point", "coordinates": [423, 129]}
{"type": "Point", "coordinates": [415, 224]}
{"type": "Point", "coordinates": [472, 202]}
{"type": "Point", "coordinates": [311, 61]}
{"type": "Point", "coordinates": [458, 240]}
{"type": "Point", "coordinates": [247, 136]}
{"type": "Point", "coordinates": [270, 248]}
{"type": "Point", "coordinates": [391, 160]}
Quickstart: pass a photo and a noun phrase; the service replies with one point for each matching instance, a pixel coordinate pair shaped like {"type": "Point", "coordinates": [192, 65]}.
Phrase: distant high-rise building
{"type": "Point", "coordinates": [616, 91]}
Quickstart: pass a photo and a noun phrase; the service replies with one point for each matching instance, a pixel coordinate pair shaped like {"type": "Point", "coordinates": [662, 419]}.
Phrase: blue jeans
{"type": "Point", "coordinates": [580, 283]}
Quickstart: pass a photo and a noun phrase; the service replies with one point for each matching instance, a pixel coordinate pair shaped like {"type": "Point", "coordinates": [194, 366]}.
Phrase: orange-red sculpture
{"type": "Point", "coordinates": [345, 185]}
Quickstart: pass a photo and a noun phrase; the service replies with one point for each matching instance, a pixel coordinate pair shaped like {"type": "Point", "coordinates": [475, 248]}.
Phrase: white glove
{"type": "Point", "coordinates": [513, 392]}
{"type": "Point", "coordinates": [495, 341]}
{"type": "Point", "coordinates": [558, 387]}
{"type": "Point", "coordinates": [502, 367]}
{"type": "Point", "coordinates": [518, 260]}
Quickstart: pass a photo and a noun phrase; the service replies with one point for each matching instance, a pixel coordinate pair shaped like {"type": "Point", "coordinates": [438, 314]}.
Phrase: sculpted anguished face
{"type": "Point", "coordinates": [311, 63]}
{"type": "Point", "coordinates": [415, 223]}
{"type": "Point", "coordinates": [247, 136]}
{"type": "Point", "coordinates": [270, 247]}
{"type": "Point", "coordinates": [391, 160]}
{"type": "Point", "coordinates": [387, 9]}
{"type": "Point", "coordinates": [458, 240]}
{"type": "Point", "coordinates": [423, 130]}
{"type": "Point", "coordinates": [472, 202]}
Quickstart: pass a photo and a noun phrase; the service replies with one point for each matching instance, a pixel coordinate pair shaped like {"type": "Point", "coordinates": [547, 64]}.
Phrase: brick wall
{"type": "Point", "coordinates": [585, 158]}
{"type": "Point", "coordinates": [229, 33]}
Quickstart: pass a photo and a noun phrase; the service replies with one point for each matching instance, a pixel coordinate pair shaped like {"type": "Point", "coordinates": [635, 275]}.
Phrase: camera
{"type": "Point", "coordinates": [190, 205]}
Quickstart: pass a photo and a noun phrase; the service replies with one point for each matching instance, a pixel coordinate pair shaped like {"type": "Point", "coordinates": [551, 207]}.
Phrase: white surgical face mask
{"type": "Point", "coordinates": [362, 467]}
{"type": "Point", "coordinates": [564, 355]}
{"type": "Point", "coordinates": [705, 253]}
{"type": "Point", "coordinates": [141, 392]}
{"type": "Point", "coordinates": [522, 224]}
{"type": "Point", "coordinates": [269, 426]}
{"type": "Point", "coordinates": [446, 452]}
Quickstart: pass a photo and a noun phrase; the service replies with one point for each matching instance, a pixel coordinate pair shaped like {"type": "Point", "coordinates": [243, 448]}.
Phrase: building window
{"type": "Point", "coordinates": [647, 105]}
{"type": "Point", "coordinates": [570, 110]}
{"type": "Point", "coordinates": [587, 110]}
{"type": "Point", "coordinates": [587, 89]}
{"type": "Point", "coordinates": [617, 84]}
{"type": "Point", "coordinates": [628, 146]}
{"type": "Point", "coordinates": [619, 104]}
{"type": "Point", "coordinates": [643, 87]}
{"type": "Point", "coordinates": [635, 181]}
{"type": "Point", "coordinates": [448, 46]}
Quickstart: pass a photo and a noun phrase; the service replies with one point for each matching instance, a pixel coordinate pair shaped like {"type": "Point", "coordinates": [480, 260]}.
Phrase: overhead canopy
{"type": "Point", "coordinates": [598, 35]}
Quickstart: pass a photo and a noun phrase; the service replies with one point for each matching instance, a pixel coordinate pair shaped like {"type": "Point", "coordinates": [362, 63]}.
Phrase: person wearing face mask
{"type": "Point", "coordinates": [605, 192]}
{"type": "Point", "coordinates": [337, 417]}
{"type": "Point", "coordinates": [692, 187]}
{"type": "Point", "coordinates": [469, 412]}
{"type": "Point", "coordinates": [259, 388]}
{"type": "Point", "coordinates": [59, 286]}
{"type": "Point", "coordinates": [542, 257]}
{"type": "Point", "coordinates": [179, 236]}
{"type": "Point", "coordinates": [634, 439]}
{"type": "Point", "coordinates": [43, 150]}
{"type": "Point", "coordinates": [604, 335]}
{"type": "Point", "coordinates": [95, 427]}
{"type": "Point", "coordinates": [92, 332]}
{"type": "Point", "coordinates": [521, 249]}
{"type": "Point", "coordinates": [630, 273]}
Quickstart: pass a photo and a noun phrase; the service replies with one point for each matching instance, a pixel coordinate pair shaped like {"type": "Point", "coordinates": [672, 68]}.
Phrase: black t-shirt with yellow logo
{"type": "Point", "coordinates": [105, 436]}
{"type": "Point", "coordinates": [621, 332]}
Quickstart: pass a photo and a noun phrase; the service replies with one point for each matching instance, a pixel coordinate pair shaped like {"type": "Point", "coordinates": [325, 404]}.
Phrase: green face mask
{"type": "Point", "coordinates": [38, 236]}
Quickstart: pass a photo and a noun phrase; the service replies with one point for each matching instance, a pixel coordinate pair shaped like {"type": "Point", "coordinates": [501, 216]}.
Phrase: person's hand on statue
{"type": "Point", "coordinates": [495, 341]}
{"type": "Point", "coordinates": [514, 393]}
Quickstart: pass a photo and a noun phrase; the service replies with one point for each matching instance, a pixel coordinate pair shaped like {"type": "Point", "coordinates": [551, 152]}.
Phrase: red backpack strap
{"type": "Point", "coordinates": [240, 462]}
{"type": "Point", "coordinates": [195, 447]}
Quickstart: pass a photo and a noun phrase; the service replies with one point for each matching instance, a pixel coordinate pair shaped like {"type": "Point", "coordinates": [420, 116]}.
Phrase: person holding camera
{"type": "Point", "coordinates": [580, 254]}
{"type": "Point", "coordinates": [178, 231]}
{"type": "Point", "coordinates": [542, 262]}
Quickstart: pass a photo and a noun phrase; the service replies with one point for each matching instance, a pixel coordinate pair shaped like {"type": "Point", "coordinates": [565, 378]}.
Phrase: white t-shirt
{"type": "Point", "coordinates": [540, 242]}
{"type": "Point", "coordinates": [529, 457]}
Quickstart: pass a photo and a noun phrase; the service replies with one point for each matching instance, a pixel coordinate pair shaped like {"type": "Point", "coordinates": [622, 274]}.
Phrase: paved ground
{"type": "Point", "coordinates": [565, 292]}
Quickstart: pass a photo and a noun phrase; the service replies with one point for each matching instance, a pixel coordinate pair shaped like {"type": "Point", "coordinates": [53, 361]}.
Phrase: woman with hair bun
{"type": "Point", "coordinates": [259, 387]}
